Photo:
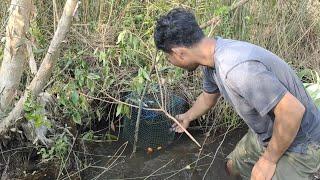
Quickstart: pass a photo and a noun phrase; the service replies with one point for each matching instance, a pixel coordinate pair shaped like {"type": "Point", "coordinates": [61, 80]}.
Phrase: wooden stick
{"type": "Point", "coordinates": [184, 129]}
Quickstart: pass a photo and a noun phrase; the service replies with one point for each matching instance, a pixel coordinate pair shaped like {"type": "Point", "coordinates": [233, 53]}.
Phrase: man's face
{"type": "Point", "coordinates": [184, 58]}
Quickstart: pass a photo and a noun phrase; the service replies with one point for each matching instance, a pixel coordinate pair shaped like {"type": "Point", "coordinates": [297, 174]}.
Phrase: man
{"type": "Point", "coordinates": [283, 141]}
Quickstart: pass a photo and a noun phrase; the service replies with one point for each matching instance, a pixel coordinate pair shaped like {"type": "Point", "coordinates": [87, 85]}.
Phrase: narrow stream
{"type": "Point", "coordinates": [180, 160]}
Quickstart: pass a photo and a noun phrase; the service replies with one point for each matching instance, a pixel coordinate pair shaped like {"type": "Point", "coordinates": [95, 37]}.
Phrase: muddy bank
{"type": "Point", "coordinates": [105, 160]}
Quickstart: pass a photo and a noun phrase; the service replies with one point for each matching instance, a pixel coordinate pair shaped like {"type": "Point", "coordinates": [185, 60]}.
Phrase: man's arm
{"type": "Point", "coordinates": [288, 116]}
{"type": "Point", "coordinates": [203, 104]}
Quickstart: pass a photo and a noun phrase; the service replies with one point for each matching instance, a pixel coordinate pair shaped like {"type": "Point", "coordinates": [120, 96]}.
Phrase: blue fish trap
{"type": "Point", "coordinates": [154, 129]}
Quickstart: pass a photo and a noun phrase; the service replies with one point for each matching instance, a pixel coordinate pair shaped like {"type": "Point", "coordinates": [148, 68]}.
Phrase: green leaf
{"type": "Point", "coordinates": [313, 88]}
{"type": "Point", "coordinates": [304, 72]}
{"type": "Point", "coordinates": [76, 118]}
{"type": "Point", "coordinates": [93, 76]}
{"type": "Point", "coordinates": [119, 60]}
{"type": "Point", "coordinates": [102, 56]}
{"type": "Point", "coordinates": [98, 114]}
{"type": "Point", "coordinates": [75, 97]}
{"type": "Point", "coordinates": [145, 75]}
{"type": "Point", "coordinates": [121, 37]}
{"type": "Point", "coordinates": [111, 137]}
{"type": "Point", "coordinates": [119, 109]}
{"type": "Point", "coordinates": [88, 135]}
{"type": "Point", "coordinates": [126, 110]}
{"type": "Point", "coordinates": [317, 102]}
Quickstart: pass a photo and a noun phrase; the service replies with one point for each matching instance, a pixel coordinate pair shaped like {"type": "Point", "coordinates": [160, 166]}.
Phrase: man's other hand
{"type": "Point", "coordinates": [184, 120]}
{"type": "Point", "coordinates": [263, 169]}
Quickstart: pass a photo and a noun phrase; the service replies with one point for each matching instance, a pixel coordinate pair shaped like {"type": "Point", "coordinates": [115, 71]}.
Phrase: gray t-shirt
{"type": "Point", "coordinates": [254, 80]}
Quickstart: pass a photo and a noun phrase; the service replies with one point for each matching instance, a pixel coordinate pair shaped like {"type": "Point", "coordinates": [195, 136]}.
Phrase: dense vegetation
{"type": "Point", "coordinates": [110, 48]}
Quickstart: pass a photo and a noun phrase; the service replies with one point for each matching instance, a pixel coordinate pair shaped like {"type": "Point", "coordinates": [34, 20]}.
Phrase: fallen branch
{"type": "Point", "coordinates": [216, 20]}
{"type": "Point", "coordinates": [45, 70]}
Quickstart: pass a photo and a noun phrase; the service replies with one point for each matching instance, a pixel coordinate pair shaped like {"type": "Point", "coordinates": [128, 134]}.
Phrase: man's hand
{"type": "Point", "coordinates": [184, 120]}
{"type": "Point", "coordinates": [202, 105]}
{"type": "Point", "coordinates": [263, 169]}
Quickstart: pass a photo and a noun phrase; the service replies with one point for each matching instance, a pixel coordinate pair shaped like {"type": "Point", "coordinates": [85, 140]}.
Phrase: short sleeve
{"type": "Point", "coordinates": [209, 85]}
{"type": "Point", "coordinates": [257, 85]}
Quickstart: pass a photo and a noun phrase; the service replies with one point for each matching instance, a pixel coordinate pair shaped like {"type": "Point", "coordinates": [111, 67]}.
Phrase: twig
{"type": "Point", "coordinates": [216, 20]}
{"type": "Point", "coordinates": [160, 86]}
{"type": "Point", "coordinates": [237, 5]}
{"type": "Point", "coordinates": [215, 154]}
{"type": "Point", "coordinates": [159, 169]}
{"type": "Point", "coordinates": [169, 172]}
{"type": "Point", "coordinates": [189, 165]}
{"type": "Point", "coordinates": [151, 109]}
{"type": "Point", "coordinates": [184, 129]}
{"type": "Point", "coordinates": [4, 173]}
{"type": "Point", "coordinates": [106, 169]}
{"type": "Point", "coordinates": [65, 161]}
{"type": "Point", "coordinates": [205, 140]}
{"type": "Point", "coordinates": [53, 79]}
{"type": "Point", "coordinates": [136, 132]}
{"type": "Point", "coordinates": [163, 108]}
{"type": "Point", "coordinates": [90, 166]}
{"type": "Point", "coordinates": [117, 101]}
{"type": "Point", "coordinates": [98, 155]}
{"type": "Point", "coordinates": [1, 91]}
{"type": "Point", "coordinates": [55, 13]}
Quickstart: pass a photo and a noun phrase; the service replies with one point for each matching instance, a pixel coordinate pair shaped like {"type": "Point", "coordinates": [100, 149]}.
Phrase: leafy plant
{"type": "Point", "coordinates": [139, 81]}
{"type": "Point", "coordinates": [35, 112]}
{"type": "Point", "coordinates": [123, 109]}
{"type": "Point", "coordinates": [58, 150]}
{"type": "Point", "coordinates": [73, 104]}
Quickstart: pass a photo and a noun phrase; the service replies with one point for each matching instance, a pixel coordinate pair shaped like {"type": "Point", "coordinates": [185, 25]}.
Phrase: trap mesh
{"type": "Point", "coordinates": [154, 129]}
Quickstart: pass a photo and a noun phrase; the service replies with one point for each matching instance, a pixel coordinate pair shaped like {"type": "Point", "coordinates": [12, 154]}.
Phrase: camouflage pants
{"type": "Point", "coordinates": [292, 166]}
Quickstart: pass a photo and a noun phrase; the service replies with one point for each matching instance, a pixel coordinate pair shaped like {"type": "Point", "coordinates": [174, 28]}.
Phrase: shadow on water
{"type": "Point", "coordinates": [180, 160]}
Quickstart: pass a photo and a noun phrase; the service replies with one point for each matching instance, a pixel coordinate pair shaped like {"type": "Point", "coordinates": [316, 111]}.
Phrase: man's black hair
{"type": "Point", "coordinates": [177, 28]}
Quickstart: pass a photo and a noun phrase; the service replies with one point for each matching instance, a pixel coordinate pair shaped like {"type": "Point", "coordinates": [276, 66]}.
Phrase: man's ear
{"type": "Point", "coordinates": [179, 51]}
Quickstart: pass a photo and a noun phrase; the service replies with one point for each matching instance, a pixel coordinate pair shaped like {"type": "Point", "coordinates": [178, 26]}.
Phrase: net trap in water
{"type": "Point", "coordinates": [155, 127]}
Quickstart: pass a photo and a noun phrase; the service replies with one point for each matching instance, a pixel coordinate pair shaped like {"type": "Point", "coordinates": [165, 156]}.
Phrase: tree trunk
{"type": "Point", "coordinates": [45, 70]}
{"type": "Point", "coordinates": [15, 51]}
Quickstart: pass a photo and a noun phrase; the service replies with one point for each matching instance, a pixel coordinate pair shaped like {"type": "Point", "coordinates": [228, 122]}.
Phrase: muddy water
{"type": "Point", "coordinates": [181, 160]}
